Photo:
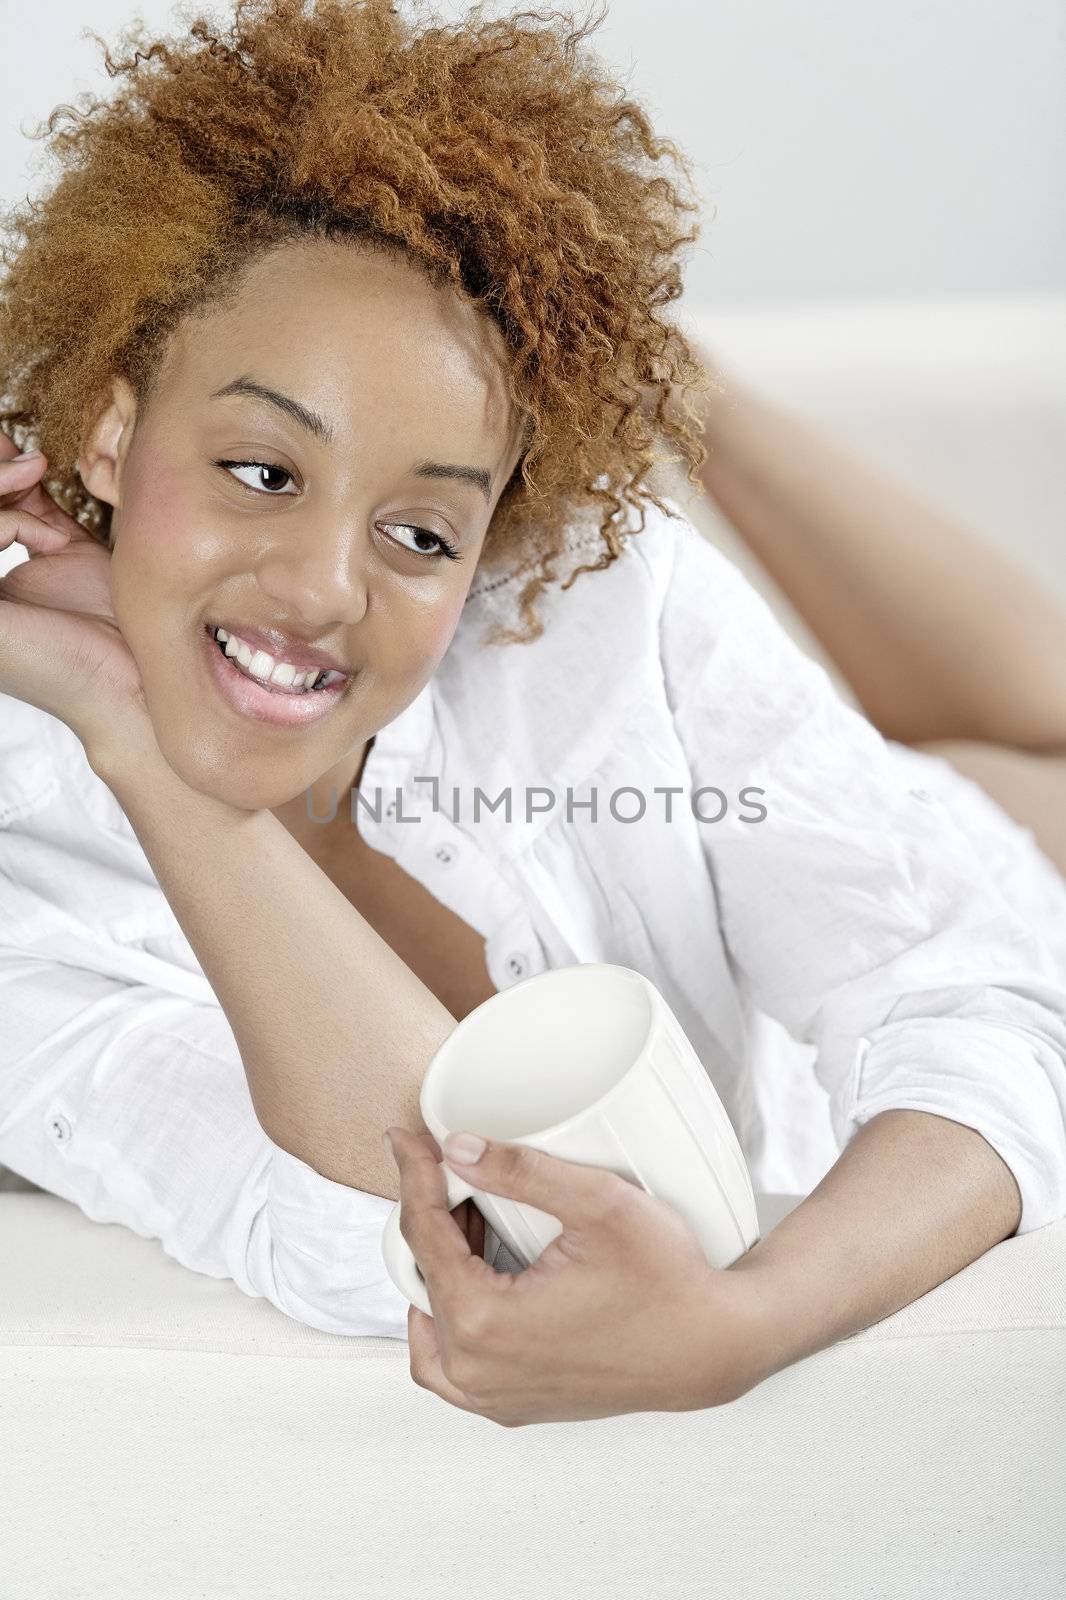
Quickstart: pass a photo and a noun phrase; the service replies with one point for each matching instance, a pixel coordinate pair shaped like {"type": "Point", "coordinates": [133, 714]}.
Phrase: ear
{"type": "Point", "coordinates": [106, 438]}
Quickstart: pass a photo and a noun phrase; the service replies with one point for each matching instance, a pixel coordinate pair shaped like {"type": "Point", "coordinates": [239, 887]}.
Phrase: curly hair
{"type": "Point", "coordinates": [497, 155]}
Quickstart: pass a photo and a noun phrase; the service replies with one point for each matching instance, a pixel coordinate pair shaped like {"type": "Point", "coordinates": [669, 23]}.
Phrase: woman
{"type": "Point", "coordinates": [386, 312]}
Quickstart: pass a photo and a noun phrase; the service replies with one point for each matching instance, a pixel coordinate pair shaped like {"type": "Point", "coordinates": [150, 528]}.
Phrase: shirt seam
{"type": "Point", "coordinates": [16, 810]}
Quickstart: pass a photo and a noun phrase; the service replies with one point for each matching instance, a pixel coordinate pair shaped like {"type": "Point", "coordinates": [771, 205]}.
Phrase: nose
{"type": "Point", "coordinates": [317, 572]}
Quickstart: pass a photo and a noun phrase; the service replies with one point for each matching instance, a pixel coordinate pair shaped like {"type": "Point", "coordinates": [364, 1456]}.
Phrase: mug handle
{"type": "Point", "coordinates": [401, 1264]}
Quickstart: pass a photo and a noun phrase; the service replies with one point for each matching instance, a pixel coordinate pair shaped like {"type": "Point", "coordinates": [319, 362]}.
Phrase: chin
{"type": "Point", "coordinates": [220, 779]}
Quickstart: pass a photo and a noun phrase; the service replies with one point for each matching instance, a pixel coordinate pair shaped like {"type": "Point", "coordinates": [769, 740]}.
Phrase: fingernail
{"type": "Point", "coordinates": [387, 1142]}
{"type": "Point", "coordinates": [27, 455]}
{"type": "Point", "coordinates": [466, 1148]}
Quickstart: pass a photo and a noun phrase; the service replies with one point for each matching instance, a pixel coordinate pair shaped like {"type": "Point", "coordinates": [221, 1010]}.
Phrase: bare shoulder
{"type": "Point", "coordinates": [1030, 785]}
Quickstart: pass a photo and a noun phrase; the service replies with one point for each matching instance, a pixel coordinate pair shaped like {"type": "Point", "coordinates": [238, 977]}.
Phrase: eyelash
{"type": "Point", "coordinates": [445, 547]}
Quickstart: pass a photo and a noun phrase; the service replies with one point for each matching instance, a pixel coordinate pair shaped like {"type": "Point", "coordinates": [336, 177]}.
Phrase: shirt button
{"type": "Point", "coordinates": [516, 965]}
{"type": "Point", "coordinates": [390, 809]}
{"type": "Point", "coordinates": [445, 854]}
{"type": "Point", "coordinates": [59, 1128]}
{"type": "Point", "coordinates": [922, 794]}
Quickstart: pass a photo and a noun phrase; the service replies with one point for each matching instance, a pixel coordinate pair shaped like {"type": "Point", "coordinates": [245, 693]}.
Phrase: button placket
{"type": "Point", "coordinates": [439, 848]}
{"type": "Point", "coordinates": [514, 952]}
{"type": "Point", "coordinates": [389, 831]}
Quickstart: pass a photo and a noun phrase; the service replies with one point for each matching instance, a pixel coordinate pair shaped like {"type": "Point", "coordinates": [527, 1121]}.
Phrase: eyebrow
{"type": "Point", "coordinates": [314, 424]}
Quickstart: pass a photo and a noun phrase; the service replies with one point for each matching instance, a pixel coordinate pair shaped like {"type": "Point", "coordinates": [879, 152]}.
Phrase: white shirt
{"type": "Point", "coordinates": [884, 937]}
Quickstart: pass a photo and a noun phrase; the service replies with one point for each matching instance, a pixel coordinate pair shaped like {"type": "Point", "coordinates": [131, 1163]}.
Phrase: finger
{"type": "Point", "coordinates": [21, 489]}
{"type": "Point", "coordinates": [574, 1192]}
{"type": "Point", "coordinates": [425, 1365]}
{"type": "Point", "coordinates": [8, 447]}
{"type": "Point", "coordinates": [19, 471]}
{"type": "Point", "coordinates": [431, 1144]}
{"type": "Point", "coordinates": [36, 500]}
{"type": "Point", "coordinates": [436, 1240]}
{"type": "Point", "coordinates": [39, 538]}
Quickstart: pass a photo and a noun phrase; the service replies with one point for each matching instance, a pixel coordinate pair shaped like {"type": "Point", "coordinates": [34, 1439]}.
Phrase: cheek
{"type": "Point", "coordinates": [412, 634]}
{"type": "Point", "coordinates": [440, 627]}
{"type": "Point", "coordinates": [405, 647]}
{"type": "Point", "coordinates": [154, 535]}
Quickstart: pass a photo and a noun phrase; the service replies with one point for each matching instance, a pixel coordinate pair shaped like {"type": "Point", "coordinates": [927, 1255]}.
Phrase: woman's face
{"type": "Point", "coordinates": [371, 411]}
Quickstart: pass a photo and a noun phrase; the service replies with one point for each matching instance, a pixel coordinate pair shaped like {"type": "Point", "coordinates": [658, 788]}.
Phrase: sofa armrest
{"type": "Point", "coordinates": [171, 1436]}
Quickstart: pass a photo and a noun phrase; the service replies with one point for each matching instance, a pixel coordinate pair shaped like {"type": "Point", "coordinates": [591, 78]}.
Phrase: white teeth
{"type": "Point", "coordinates": [259, 664]}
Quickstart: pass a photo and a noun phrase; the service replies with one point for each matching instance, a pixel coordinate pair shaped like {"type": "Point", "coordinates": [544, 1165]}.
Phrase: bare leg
{"type": "Point", "coordinates": [940, 636]}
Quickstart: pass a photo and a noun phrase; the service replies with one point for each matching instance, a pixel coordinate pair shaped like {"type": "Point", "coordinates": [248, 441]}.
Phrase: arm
{"type": "Point", "coordinates": [125, 1094]}
{"type": "Point", "coordinates": [122, 1086]}
{"type": "Point", "coordinates": [545, 1347]}
{"type": "Point", "coordinates": [939, 635]}
{"type": "Point", "coordinates": [334, 1030]}
{"type": "Point", "coordinates": [856, 912]}
{"type": "Point", "coordinates": [912, 1200]}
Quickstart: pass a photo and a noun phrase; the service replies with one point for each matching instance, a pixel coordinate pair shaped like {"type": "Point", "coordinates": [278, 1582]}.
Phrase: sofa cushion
{"type": "Point", "coordinates": [163, 1435]}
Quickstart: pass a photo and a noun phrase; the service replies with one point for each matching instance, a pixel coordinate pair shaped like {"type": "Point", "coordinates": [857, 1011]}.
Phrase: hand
{"type": "Point", "coordinates": [622, 1312]}
{"type": "Point", "coordinates": [467, 1215]}
{"type": "Point", "coordinates": [61, 648]}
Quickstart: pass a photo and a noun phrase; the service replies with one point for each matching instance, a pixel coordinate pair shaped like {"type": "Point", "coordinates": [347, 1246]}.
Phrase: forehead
{"type": "Point", "coordinates": [354, 328]}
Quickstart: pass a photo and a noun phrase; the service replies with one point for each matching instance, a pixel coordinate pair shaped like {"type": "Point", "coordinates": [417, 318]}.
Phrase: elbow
{"type": "Point", "coordinates": [340, 1285]}
{"type": "Point", "coordinates": [1005, 1082]}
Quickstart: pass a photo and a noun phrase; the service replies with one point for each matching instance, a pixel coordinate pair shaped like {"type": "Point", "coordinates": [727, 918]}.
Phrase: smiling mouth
{"type": "Point", "coordinates": [243, 658]}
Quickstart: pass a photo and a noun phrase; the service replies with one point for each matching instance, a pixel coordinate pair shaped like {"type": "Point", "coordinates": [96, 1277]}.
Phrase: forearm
{"type": "Point", "coordinates": [334, 1030]}
{"type": "Point", "coordinates": [912, 1200]}
{"type": "Point", "coordinates": [939, 635]}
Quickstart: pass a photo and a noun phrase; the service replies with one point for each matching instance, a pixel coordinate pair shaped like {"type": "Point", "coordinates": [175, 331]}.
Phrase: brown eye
{"type": "Point", "coordinates": [444, 547]}
{"type": "Point", "coordinates": [265, 470]}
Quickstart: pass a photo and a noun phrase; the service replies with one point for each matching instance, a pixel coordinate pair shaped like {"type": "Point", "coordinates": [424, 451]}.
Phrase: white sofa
{"type": "Point", "coordinates": [165, 1437]}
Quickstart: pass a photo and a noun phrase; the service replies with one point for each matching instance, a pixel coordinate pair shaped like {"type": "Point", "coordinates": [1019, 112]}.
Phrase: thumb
{"type": "Point", "coordinates": [572, 1191]}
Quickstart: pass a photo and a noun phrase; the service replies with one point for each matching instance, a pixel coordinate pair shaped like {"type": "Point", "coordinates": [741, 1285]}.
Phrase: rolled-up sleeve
{"type": "Point", "coordinates": [132, 1103]}
{"type": "Point", "coordinates": [855, 909]}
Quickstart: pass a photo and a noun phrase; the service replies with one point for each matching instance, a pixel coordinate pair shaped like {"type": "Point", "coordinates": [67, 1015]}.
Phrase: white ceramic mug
{"type": "Point", "coordinates": [587, 1063]}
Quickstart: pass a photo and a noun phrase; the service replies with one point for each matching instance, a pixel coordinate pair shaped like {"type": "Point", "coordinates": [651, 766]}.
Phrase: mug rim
{"type": "Point", "coordinates": [654, 1027]}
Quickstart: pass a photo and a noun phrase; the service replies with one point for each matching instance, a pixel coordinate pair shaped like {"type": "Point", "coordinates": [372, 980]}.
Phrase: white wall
{"type": "Point", "coordinates": [843, 147]}
{"type": "Point", "coordinates": [863, 147]}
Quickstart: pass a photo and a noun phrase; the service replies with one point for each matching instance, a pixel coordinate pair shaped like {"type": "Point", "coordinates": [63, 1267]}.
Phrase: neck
{"type": "Point", "coordinates": [328, 796]}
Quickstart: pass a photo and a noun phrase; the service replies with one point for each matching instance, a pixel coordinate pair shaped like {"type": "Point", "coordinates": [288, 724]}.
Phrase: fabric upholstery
{"type": "Point", "coordinates": [164, 1436]}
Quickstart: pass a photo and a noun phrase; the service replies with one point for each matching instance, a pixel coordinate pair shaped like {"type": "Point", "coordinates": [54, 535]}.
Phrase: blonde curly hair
{"type": "Point", "coordinates": [495, 153]}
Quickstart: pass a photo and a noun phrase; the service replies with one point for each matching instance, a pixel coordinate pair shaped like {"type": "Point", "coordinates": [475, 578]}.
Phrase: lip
{"type": "Point", "coordinates": [249, 698]}
{"type": "Point", "coordinates": [282, 647]}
